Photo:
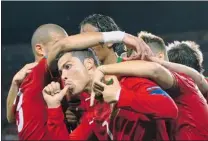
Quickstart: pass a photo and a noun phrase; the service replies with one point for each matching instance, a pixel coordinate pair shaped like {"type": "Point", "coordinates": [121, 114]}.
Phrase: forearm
{"type": "Point", "coordinates": [196, 76]}
{"type": "Point", "coordinates": [84, 41]}
{"type": "Point", "coordinates": [140, 68]}
{"type": "Point", "coordinates": [10, 100]}
{"type": "Point", "coordinates": [57, 128]}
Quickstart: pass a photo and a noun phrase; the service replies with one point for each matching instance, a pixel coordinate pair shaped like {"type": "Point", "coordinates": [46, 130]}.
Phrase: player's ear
{"type": "Point", "coordinates": [89, 63]}
{"type": "Point", "coordinates": [39, 49]}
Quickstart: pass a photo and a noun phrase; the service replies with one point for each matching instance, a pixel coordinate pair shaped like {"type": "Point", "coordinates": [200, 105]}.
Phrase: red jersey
{"type": "Point", "coordinates": [192, 120]}
{"type": "Point", "coordinates": [140, 105]}
{"type": "Point", "coordinates": [31, 112]}
{"type": "Point", "coordinates": [96, 119]}
{"type": "Point", "coordinates": [92, 121]}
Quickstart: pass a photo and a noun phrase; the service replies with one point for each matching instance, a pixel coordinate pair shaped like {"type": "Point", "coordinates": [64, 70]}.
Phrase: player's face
{"type": "Point", "coordinates": [100, 50]}
{"type": "Point", "coordinates": [73, 72]}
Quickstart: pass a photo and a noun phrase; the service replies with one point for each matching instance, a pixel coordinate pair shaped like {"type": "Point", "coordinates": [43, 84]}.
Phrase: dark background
{"type": "Point", "coordinates": [170, 20]}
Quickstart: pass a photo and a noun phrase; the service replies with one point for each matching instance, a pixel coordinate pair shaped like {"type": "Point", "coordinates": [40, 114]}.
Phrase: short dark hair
{"type": "Point", "coordinates": [82, 55]}
{"type": "Point", "coordinates": [104, 24]}
{"type": "Point", "coordinates": [151, 38]}
{"type": "Point", "coordinates": [187, 53]}
{"type": "Point", "coordinates": [43, 34]}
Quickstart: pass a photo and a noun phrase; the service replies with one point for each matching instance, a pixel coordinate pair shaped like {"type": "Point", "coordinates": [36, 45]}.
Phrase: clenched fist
{"type": "Point", "coordinates": [53, 94]}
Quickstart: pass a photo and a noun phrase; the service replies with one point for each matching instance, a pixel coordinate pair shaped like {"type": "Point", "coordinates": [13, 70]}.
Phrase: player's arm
{"type": "Point", "coordinates": [10, 100]}
{"type": "Point", "coordinates": [87, 40]}
{"type": "Point", "coordinates": [55, 124]}
{"type": "Point", "coordinates": [17, 80]}
{"type": "Point", "coordinates": [58, 130]}
{"type": "Point", "coordinates": [82, 41]}
{"type": "Point", "coordinates": [196, 76]}
{"type": "Point", "coordinates": [139, 68]}
{"type": "Point", "coordinates": [156, 103]}
{"type": "Point", "coordinates": [144, 97]}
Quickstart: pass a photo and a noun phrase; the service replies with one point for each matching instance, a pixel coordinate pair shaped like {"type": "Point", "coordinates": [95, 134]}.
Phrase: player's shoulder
{"type": "Point", "coordinates": [182, 78]}
{"type": "Point", "coordinates": [184, 84]}
{"type": "Point", "coordinates": [41, 64]}
{"type": "Point", "coordinates": [35, 73]}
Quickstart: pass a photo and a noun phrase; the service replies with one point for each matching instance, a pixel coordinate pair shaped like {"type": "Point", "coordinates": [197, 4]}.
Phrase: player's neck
{"type": "Point", "coordinates": [110, 59]}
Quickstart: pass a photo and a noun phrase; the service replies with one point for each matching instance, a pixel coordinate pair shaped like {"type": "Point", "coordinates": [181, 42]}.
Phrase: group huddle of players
{"type": "Point", "coordinates": [105, 84]}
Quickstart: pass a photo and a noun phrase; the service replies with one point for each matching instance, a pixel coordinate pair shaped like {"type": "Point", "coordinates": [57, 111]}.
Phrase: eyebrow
{"type": "Point", "coordinates": [63, 65]}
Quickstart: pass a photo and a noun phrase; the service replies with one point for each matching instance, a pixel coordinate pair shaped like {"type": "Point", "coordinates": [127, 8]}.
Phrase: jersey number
{"type": "Point", "coordinates": [20, 119]}
{"type": "Point", "coordinates": [105, 123]}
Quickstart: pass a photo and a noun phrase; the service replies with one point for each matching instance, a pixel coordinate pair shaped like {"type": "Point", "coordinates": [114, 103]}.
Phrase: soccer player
{"type": "Point", "coordinates": [107, 53]}
{"type": "Point", "coordinates": [191, 104]}
{"type": "Point", "coordinates": [77, 70]}
{"type": "Point", "coordinates": [47, 42]}
{"type": "Point", "coordinates": [188, 53]}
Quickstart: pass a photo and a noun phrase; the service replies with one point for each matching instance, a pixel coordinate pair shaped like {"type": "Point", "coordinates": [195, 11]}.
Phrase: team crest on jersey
{"type": "Point", "coordinates": [156, 90]}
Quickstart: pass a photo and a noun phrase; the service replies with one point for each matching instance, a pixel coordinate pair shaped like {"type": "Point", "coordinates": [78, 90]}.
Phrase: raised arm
{"type": "Point", "coordinates": [55, 123]}
{"type": "Point", "coordinates": [87, 40]}
{"type": "Point", "coordinates": [140, 68]}
{"type": "Point", "coordinates": [196, 76]}
{"type": "Point", "coordinates": [83, 41]}
{"type": "Point", "coordinates": [17, 80]}
{"type": "Point", "coordinates": [139, 94]}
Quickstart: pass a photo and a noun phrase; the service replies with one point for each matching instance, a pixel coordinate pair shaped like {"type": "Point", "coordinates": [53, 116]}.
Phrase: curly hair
{"type": "Point", "coordinates": [104, 24]}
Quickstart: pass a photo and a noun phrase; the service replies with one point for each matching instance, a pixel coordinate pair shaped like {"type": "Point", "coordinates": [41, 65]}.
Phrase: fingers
{"type": "Point", "coordinates": [28, 71]}
{"type": "Point", "coordinates": [46, 90]}
{"type": "Point", "coordinates": [71, 121]}
{"type": "Point", "coordinates": [55, 87]}
{"type": "Point", "coordinates": [65, 90]}
{"type": "Point", "coordinates": [52, 88]}
{"type": "Point", "coordinates": [77, 109]}
{"type": "Point", "coordinates": [92, 98]}
{"type": "Point", "coordinates": [30, 66]}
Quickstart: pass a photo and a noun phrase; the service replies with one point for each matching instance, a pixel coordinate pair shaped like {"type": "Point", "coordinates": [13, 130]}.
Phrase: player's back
{"type": "Point", "coordinates": [31, 113]}
{"type": "Point", "coordinates": [192, 121]}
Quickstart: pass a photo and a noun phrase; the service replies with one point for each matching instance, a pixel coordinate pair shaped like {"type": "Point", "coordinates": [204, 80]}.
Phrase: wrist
{"type": "Point", "coordinates": [101, 69]}
{"type": "Point", "coordinates": [53, 105]}
{"type": "Point", "coordinates": [113, 36]}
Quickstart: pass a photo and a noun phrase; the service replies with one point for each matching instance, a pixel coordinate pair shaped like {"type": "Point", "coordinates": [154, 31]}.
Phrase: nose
{"type": "Point", "coordinates": [64, 76]}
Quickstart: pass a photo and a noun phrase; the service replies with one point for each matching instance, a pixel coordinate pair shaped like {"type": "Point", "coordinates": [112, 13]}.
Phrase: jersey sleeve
{"type": "Point", "coordinates": [147, 98]}
{"type": "Point", "coordinates": [183, 84]}
{"type": "Point", "coordinates": [58, 130]}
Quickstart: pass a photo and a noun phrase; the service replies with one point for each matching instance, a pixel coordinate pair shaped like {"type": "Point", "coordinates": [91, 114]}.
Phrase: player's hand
{"type": "Point", "coordinates": [20, 75]}
{"type": "Point", "coordinates": [70, 116]}
{"type": "Point", "coordinates": [137, 44]}
{"type": "Point", "coordinates": [53, 94]}
{"type": "Point", "coordinates": [110, 92]}
{"type": "Point", "coordinates": [97, 77]}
